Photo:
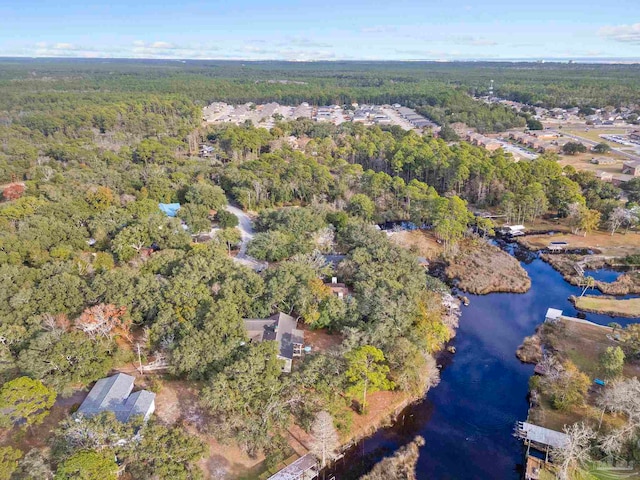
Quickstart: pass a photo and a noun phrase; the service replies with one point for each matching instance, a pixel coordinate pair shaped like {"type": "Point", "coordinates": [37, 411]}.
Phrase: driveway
{"type": "Point", "coordinates": [245, 225]}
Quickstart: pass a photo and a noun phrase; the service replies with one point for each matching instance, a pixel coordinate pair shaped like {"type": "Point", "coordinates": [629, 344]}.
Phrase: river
{"type": "Point", "coordinates": [467, 420]}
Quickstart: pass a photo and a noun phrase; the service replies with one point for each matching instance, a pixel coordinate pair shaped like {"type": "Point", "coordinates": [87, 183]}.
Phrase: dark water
{"type": "Point", "coordinates": [604, 275]}
{"type": "Point", "coordinates": [467, 421]}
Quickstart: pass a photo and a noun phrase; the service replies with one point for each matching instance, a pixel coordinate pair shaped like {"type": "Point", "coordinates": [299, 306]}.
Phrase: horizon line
{"type": "Point", "coordinates": [538, 60]}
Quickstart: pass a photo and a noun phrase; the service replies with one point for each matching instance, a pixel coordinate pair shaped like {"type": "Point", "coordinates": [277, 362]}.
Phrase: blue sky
{"type": "Point", "coordinates": [323, 29]}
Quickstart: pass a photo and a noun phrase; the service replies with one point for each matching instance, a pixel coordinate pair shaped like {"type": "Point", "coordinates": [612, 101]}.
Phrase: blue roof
{"type": "Point", "coordinates": [170, 209]}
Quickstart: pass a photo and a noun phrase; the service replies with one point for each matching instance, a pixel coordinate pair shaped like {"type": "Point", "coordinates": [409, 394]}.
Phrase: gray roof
{"type": "Point", "coordinates": [542, 435]}
{"type": "Point", "coordinates": [296, 470]}
{"type": "Point", "coordinates": [114, 394]}
{"type": "Point", "coordinates": [280, 328]}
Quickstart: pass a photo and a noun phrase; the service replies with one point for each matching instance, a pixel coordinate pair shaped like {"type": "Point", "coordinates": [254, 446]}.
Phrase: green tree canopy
{"type": "Point", "coordinates": [9, 457]}
{"type": "Point", "coordinates": [88, 465]}
{"type": "Point", "coordinates": [24, 401]}
{"type": "Point", "coordinates": [366, 372]}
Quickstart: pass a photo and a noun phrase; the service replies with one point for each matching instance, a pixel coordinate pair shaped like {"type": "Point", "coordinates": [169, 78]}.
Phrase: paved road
{"type": "Point", "coordinates": [245, 225]}
{"type": "Point", "coordinates": [521, 152]}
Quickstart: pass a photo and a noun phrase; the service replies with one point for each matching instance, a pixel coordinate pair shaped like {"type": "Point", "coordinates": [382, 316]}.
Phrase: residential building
{"type": "Point", "coordinates": [282, 329]}
{"type": "Point", "coordinates": [206, 151]}
{"type": "Point", "coordinates": [113, 394]}
{"type": "Point", "coordinates": [635, 136]}
{"type": "Point", "coordinates": [621, 178]}
{"type": "Point", "coordinates": [631, 168]}
{"type": "Point", "coordinates": [340, 290]}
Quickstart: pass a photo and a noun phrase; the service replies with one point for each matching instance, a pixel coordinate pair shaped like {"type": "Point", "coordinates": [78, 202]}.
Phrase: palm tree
{"type": "Point", "coordinates": [586, 284]}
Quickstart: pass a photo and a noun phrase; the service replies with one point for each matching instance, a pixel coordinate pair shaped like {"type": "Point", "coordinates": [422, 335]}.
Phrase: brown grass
{"type": "Point", "coordinates": [482, 268]}
{"type": "Point", "coordinates": [531, 350]}
{"type": "Point", "coordinates": [609, 305]}
{"type": "Point", "coordinates": [422, 243]}
{"type": "Point", "coordinates": [618, 245]}
{"type": "Point", "coordinates": [381, 406]}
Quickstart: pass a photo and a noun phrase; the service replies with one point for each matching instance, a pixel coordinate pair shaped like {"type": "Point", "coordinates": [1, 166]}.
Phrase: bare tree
{"type": "Point", "coordinates": [618, 217]}
{"type": "Point", "coordinates": [325, 437]}
{"type": "Point", "coordinates": [575, 453]}
{"type": "Point", "coordinates": [622, 397]}
{"type": "Point", "coordinates": [104, 320]}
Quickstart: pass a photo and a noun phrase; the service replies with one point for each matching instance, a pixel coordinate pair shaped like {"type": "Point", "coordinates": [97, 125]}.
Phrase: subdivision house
{"type": "Point", "coordinates": [282, 329]}
{"type": "Point", "coordinates": [113, 394]}
{"type": "Point", "coordinates": [631, 168]}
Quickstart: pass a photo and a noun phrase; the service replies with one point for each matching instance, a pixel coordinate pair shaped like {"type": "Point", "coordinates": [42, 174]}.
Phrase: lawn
{"type": "Point", "coordinates": [608, 305]}
{"type": "Point", "coordinates": [594, 134]}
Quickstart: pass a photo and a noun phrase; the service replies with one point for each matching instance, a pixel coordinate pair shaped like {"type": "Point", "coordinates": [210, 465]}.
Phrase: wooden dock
{"type": "Point", "coordinates": [533, 468]}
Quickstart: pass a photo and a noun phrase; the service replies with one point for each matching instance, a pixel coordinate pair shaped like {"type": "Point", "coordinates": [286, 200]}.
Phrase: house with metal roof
{"type": "Point", "coordinates": [282, 329]}
{"type": "Point", "coordinates": [114, 394]}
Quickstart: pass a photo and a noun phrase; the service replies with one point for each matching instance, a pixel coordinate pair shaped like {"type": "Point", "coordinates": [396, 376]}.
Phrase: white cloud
{"type": "Point", "coordinates": [303, 42]}
{"type": "Point", "coordinates": [163, 45]}
{"type": "Point", "coordinates": [622, 33]}
{"type": "Point", "coordinates": [65, 46]}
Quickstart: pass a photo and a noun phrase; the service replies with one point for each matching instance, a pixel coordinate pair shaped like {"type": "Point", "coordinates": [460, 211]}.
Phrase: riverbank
{"type": "Point", "coordinates": [483, 389]}
{"type": "Point", "coordinates": [628, 308]}
{"type": "Point", "coordinates": [477, 267]}
{"type": "Point", "coordinates": [568, 265]}
{"type": "Point", "coordinates": [481, 268]}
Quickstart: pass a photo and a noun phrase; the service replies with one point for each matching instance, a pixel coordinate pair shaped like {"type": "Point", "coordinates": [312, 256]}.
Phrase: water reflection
{"type": "Point", "coordinates": [467, 421]}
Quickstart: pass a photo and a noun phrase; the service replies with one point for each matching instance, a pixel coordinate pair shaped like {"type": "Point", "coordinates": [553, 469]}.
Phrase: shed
{"type": "Point", "coordinates": [515, 230]}
{"type": "Point", "coordinates": [557, 246]}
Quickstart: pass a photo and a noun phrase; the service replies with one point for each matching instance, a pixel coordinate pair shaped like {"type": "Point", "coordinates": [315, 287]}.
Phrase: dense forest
{"type": "Point", "coordinates": [91, 267]}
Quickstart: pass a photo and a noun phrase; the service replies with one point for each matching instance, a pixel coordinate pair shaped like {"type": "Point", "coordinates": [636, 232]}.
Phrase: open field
{"type": "Point", "coordinates": [420, 242]}
{"type": "Point", "coordinates": [618, 245]}
{"type": "Point", "coordinates": [609, 306]}
{"type": "Point", "coordinates": [582, 161]}
{"type": "Point", "coordinates": [594, 133]}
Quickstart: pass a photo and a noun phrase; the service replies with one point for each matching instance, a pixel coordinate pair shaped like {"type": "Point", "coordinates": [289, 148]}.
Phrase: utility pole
{"type": "Point", "coordinates": [139, 358]}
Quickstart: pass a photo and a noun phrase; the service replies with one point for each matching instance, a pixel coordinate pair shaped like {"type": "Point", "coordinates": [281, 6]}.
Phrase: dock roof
{"type": "Point", "coordinates": [297, 469]}
{"type": "Point", "coordinates": [541, 435]}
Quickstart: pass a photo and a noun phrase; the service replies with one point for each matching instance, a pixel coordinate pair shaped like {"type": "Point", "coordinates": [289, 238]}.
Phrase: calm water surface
{"type": "Point", "coordinates": [467, 421]}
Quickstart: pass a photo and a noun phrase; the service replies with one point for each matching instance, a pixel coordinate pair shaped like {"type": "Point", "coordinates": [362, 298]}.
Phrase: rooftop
{"type": "Point", "coordinates": [302, 469]}
{"type": "Point", "coordinates": [114, 394]}
{"type": "Point", "coordinates": [280, 328]}
{"type": "Point", "coordinates": [541, 435]}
